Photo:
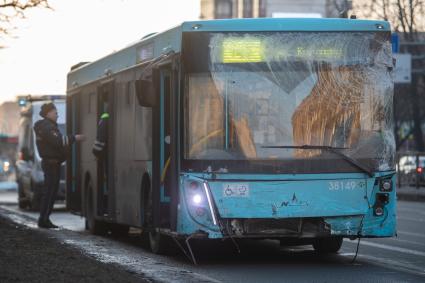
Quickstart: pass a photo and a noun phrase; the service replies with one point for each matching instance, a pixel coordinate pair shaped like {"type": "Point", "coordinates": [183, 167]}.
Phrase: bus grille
{"type": "Point", "coordinates": [287, 227]}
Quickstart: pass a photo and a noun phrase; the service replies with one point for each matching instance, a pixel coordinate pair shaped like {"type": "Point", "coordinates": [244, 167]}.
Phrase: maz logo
{"type": "Point", "coordinates": [293, 202]}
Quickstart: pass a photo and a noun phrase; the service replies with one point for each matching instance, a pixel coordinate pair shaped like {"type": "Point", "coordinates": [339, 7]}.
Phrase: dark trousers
{"type": "Point", "coordinates": [51, 169]}
{"type": "Point", "coordinates": [102, 184]}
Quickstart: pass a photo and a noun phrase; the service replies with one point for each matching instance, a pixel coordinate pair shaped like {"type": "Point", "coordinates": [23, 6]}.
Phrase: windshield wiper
{"type": "Point", "coordinates": [332, 149]}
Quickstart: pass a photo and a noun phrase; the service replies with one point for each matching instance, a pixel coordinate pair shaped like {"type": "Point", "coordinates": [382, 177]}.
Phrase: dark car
{"type": "Point", "coordinates": [411, 170]}
{"type": "Point", "coordinates": [29, 174]}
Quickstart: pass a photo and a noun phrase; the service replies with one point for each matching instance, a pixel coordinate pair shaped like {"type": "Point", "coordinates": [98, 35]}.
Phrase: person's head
{"type": "Point", "coordinates": [49, 111]}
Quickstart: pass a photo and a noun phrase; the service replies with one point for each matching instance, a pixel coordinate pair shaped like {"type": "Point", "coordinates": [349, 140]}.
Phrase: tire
{"type": "Point", "coordinates": [160, 244]}
{"type": "Point", "coordinates": [119, 230]}
{"type": "Point", "coordinates": [327, 245]}
{"type": "Point", "coordinates": [146, 204]}
{"type": "Point", "coordinates": [94, 226]}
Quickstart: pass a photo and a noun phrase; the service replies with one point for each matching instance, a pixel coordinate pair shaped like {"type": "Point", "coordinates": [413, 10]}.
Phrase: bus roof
{"type": "Point", "coordinates": [286, 24]}
{"type": "Point", "coordinates": [154, 45]}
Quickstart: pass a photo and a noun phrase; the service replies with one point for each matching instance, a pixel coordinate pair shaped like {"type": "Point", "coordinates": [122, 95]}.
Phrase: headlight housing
{"type": "Point", "coordinates": [199, 201]}
{"type": "Point", "coordinates": [385, 185]}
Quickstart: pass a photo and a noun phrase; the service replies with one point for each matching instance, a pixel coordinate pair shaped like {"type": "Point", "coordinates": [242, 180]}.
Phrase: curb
{"type": "Point", "coordinates": [110, 251]}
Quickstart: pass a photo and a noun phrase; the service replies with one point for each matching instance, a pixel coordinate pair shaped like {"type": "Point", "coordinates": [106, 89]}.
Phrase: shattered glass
{"type": "Point", "coordinates": [292, 89]}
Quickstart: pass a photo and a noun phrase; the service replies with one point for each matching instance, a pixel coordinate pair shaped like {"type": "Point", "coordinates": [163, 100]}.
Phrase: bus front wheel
{"type": "Point", "coordinates": [159, 244]}
{"type": "Point", "coordinates": [119, 230]}
{"type": "Point", "coordinates": [327, 245]}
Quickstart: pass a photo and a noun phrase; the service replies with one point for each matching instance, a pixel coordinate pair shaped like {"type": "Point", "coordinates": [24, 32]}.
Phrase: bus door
{"type": "Point", "coordinates": [105, 168]}
{"type": "Point", "coordinates": [164, 144]}
{"type": "Point", "coordinates": [73, 187]}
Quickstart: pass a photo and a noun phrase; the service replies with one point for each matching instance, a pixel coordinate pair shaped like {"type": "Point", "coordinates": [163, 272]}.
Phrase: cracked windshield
{"type": "Point", "coordinates": [254, 91]}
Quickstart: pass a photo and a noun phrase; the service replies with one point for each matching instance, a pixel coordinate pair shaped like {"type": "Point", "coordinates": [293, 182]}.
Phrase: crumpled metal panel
{"type": "Point", "coordinates": [284, 199]}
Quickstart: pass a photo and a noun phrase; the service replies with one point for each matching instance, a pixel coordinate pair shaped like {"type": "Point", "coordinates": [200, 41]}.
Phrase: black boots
{"type": "Point", "coordinates": [46, 224]}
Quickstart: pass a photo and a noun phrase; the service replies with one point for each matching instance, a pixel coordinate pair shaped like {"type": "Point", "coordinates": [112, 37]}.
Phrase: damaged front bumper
{"type": "Point", "coordinates": [299, 209]}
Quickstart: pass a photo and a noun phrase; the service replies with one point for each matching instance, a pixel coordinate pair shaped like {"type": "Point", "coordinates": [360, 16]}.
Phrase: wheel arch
{"type": "Point", "coordinates": [145, 188]}
{"type": "Point", "coordinates": [84, 196]}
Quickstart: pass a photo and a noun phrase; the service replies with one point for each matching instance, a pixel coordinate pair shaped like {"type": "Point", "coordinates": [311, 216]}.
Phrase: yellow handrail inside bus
{"type": "Point", "coordinates": [164, 171]}
{"type": "Point", "coordinates": [203, 140]}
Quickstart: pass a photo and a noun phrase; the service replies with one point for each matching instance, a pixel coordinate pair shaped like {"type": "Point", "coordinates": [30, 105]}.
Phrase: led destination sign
{"type": "Point", "coordinates": [243, 50]}
{"type": "Point", "coordinates": [255, 50]}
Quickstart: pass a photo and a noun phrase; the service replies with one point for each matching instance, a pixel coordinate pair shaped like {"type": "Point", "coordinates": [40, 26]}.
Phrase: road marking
{"type": "Point", "coordinates": [411, 234]}
{"type": "Point", "coordinates": [410, 204]}
{"type": "Point", "coordinates": [406, 241]}
{"type": "Point", "coordinates": [411, 219]}
{"type": "Point", "coordinates": [388, 263]}
{"type": "Point", "coordinates": [387, 247]}
{"type": "Point", "coordinates": [415, 211]}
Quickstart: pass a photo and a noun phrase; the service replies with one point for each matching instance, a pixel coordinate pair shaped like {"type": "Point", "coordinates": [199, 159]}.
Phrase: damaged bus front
{"type": "Point", "coordinates": [288, 135]}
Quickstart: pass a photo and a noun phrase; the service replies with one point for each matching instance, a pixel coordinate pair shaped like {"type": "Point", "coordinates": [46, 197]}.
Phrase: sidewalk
{"type": "Point", "coordinates": [411, 193]}
{"type": "Point", "coordinates": [31, 255]}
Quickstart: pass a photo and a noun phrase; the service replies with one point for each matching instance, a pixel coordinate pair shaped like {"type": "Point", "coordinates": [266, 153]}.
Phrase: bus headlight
{"type": "Point", "coordinates": [378, 211]}
{"type": "Point", "coordinates": [195, 193]}
{"type": "Point", "coordinates": [381, 199]}
{"type": "Point", "coordinates": [199, 200]}
{"type": "Point", "coordinates": [386, 185]}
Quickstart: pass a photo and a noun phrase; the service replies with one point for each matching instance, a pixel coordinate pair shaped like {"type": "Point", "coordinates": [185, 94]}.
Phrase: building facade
{"type": "Point", "coordinates": [9, 118]}
{"type": "Point", "coordinates": [226, 9]}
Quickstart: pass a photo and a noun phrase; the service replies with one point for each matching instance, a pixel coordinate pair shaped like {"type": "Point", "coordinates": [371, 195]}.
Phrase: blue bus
{"type": "Point", "coordinates": [241, 128]}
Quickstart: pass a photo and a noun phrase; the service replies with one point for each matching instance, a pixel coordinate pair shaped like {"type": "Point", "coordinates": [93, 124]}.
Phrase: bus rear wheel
{"type": "Point", "coordinates": [327, 245]}
{"type": "Point", "coordinates": [95, 227]}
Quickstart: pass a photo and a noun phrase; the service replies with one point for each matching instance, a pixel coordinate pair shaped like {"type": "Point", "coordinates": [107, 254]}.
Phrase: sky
{"type": "Point", "coordinates": [48, 42]}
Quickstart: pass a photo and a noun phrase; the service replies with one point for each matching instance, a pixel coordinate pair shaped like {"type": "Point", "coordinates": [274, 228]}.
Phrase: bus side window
{"type": "Point", "coordinates": [92, 103]}
{"type": "Point", "coordinates": [145, 93]}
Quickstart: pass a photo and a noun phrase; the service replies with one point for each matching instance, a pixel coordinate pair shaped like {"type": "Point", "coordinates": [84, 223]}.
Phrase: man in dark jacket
{"type": "Point", "coordinates": [51, 145]}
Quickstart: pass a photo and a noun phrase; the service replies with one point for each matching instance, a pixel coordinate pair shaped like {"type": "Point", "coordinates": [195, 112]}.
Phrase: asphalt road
{"type": "Point", "coordinates": [400, 259]}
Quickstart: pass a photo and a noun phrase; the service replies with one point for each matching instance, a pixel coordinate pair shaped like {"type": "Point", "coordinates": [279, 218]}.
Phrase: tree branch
{"type": "Point", "coordinates": [18, 5]}
{"type": "Point", "coordinates": [10, 9]}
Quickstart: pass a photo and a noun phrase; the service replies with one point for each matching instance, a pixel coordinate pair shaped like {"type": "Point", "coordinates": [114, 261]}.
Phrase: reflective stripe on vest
{"type": "Point", "coordinates": [104, 116]}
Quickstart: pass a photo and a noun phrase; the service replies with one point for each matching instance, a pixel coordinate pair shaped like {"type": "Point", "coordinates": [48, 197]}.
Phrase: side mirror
{"type": "Point", "coordinates": [145, 93]}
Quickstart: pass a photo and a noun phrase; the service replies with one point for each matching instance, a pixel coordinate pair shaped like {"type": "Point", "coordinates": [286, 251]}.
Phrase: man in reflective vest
{"type": "Point", "coordinates": [100, 145]}
{"type": "Point", "coordinates": [100, 150]}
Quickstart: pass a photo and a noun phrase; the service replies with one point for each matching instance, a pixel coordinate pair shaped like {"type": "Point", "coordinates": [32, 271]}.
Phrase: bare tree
{"type": "Point", "coordinates": [11, 9]}
{"type": "Point", "coordinates": [407, 17]}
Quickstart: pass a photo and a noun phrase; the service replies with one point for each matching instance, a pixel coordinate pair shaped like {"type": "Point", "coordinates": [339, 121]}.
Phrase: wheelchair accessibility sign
{"type": "Point", "coordinates": [235, 190]}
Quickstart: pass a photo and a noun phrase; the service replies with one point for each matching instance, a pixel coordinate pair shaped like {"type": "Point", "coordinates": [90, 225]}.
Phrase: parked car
{"type": "Point", "coordinates": [410, 169]}
{"type": "Point", "coordinates": [5, 168]}
{"type": "Point", "coordinates": [407, 164]}
{"type": "Point", "coordinates": [29, 174]}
